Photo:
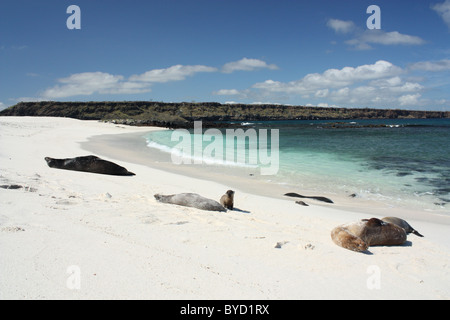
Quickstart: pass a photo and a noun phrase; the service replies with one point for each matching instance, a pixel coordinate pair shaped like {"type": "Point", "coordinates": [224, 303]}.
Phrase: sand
{"type": "Point", "coordinates": [73, 235]}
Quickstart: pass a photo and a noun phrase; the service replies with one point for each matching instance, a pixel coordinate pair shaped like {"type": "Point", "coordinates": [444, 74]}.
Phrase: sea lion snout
{"type": "Point", "coordinates": [50, 161]}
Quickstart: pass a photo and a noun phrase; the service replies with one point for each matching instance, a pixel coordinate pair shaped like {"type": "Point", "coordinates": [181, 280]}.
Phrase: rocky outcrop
{"type": "Point", "coordinates": [183, 114]}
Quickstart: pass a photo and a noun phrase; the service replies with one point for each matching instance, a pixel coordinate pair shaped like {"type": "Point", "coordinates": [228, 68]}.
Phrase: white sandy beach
{"type": "Point", "coordinates": [73, 235]}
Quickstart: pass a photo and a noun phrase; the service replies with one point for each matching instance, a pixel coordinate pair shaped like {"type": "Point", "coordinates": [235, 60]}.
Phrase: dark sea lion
{"type": "Point", "coordinates": [361, 235]}
{"type": "Point", "coordinates": [91, 164]}
{"type": "Point", "coordinates": [191, 200]}
{"type": "Point", "coordinates": [227, 200]}
{"type": "Point", "coordinates": [296, 195]}
{"type": "Point", "coordinates": [402, 224]}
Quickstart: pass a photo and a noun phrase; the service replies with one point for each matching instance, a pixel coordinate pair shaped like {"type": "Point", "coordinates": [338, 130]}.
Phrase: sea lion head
{"type": "Point", "coordinates": [230, 193]}
{"type": "Point", "coordinates": [374, 223]}
{"type": "Point", "coordinates": [50, 162]}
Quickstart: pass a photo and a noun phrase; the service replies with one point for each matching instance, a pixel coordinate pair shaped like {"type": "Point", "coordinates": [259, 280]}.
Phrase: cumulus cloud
{"type": "Point", "coordinates": [246, 64]}
{"type": "Point", "coordinates": [341, 26]}
{"type": "Point", "coordinates": [409, 99]}
{"type": "Point", "coordinates": [434, 66]}
{"type": "Point", "coordinates": [379, 84]}
{"type": "Point", "coordinates": [227, 92]}
{"type": "Point", "coordinates": [316, 83]}
{"type": "Point", "coordinates": [443, 9]}
{"type": "Point", "coordinates": [364, 39]}
{"type": "Point", "coordinates": [174, 73]}
{"type": "Point", "coordinates": [88, 83]}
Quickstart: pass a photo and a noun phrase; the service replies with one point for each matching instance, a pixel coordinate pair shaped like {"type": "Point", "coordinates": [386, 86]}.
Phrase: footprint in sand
{"type": "Point", "coordinates": [12, 229]}
{"type": "Point", "coordinates": [279, 245]}
{"type": "Point", "coordinates": [413, 270]}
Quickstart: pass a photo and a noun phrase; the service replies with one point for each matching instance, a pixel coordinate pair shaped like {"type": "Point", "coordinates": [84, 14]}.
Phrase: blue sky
{"type": "Point", "coordinates": [317, 52]}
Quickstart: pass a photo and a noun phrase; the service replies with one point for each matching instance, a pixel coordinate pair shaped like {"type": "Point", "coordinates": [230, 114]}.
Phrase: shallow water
{"type": "Point", "coordinates": [405, 163]}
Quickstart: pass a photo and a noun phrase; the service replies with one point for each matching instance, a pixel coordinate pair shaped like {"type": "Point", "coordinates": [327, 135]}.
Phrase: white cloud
{"type": "Point", "coordinates": [226, 92]}
{"type": "Point", "coordinates": [322, 93]}
{"type": "Point", "coordinates": [246, 64]}
{"type": "Point", "coordinates": [332, 78]}
{"type": "Point", "coordinates": [391, 38]}
{"type": "Point", "coordinates": [2, 106]}
{"type": "Point", "coordinates": [441, 65]}
{"type": "Point", "coordinates": [364, 39]}
{"type": "Point", "coordinates": [380, 84]}
{"type": "Point", "coordinates": [341, 26]}
{"type": "Point", "coordinates": [174, 73]}
{"type": "Point", "coordinates": [88, 83]}
{"type": "Point", "coordinates": [29, 99]}
{"type": "Point", "coordinates": [409, 99]}
{"type": "Point", "coordinates": [443, 9]}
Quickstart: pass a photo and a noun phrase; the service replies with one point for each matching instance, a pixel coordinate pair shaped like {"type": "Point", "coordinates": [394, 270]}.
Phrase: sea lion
{"type": "Point", "coordinates": [191, 200]}
{"type": "Point", "coordinates": [402, 224]}
{"type": "Point", "coordinates": [227, 200]}
{"type": "Point", "coordinates": [296, 195]}
{"type": "Point", "coordinates": [361, 235]}
{"type": "Point", "coordinates": [91, 164]}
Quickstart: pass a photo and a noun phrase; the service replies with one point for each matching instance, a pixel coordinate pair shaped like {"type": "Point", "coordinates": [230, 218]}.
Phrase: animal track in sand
{"type": "Point", "coordinates": [279, 245]}
{"type": "Point", "coordinates": [412, 270]}
{"type": "Point", "coordinates": [178, 223]}
{"type": "Point", "coordinates": [18, 187]}
{"type": "Point", "coordinates": [12, 229]}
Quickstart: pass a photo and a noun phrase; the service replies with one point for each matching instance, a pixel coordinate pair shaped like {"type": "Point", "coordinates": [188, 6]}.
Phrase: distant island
{"type": "Point", "coordinates": [183, 114]}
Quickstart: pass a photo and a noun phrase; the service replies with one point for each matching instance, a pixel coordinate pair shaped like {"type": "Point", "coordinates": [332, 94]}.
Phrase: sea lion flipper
{"type": "Point", "coordinates": [403, 224]}
{"type": "Point", "coordinates": [417, 234]}
{"type": "Point", "coordinates": [293, 194]}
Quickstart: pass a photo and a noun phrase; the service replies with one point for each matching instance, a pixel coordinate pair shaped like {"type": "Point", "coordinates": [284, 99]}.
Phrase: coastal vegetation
{"type": "Point", "coordinates": [182, 114]}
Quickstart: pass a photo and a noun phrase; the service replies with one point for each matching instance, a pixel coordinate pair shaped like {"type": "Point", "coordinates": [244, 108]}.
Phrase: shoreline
{"type": "Point", "coordinates": [137, 151]}
{"type": "Point", "coordinates": [75, 235]}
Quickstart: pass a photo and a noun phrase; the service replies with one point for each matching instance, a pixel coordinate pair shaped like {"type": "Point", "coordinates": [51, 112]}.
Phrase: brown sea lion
{"type": "Point", "coordinates": [192, 200]}
{"type": "Point", "coordinates": [91, 164]}
{"type": "Point", "coordinates": [361, 235]}
{"type": "Point", "coordinates": [402, 224]}
{"type": "Point", "coordinates": [227, 200]}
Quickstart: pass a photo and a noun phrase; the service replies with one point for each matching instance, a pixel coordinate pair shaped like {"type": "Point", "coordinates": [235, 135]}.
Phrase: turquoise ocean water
{"type": "Point", "coordinates": [404, 162]}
